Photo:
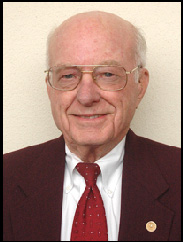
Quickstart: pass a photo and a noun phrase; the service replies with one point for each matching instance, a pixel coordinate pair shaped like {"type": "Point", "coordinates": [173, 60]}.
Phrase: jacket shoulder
{"type": "Point", "coordinates": [154, 147]}
{"type": "Point", "coordinates": [167, 158]}
{"type": "Point", "coordinates": [162, 153]}
{"type": "Point", "coordinates": [23, 158]}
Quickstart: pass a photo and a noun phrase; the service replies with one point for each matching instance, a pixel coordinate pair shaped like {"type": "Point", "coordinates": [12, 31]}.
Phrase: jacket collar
{"type": "Point", "coordinates": [141, 167]}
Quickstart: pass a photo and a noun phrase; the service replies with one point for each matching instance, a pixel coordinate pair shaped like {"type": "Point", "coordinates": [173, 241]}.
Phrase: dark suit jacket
{"type": "Point", "coordinates": [33, 186]}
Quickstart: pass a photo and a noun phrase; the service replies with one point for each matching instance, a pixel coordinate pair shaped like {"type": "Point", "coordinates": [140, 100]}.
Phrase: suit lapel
{"type": "Point", "coordinates": [142, 186]}
{"type": "Point", "coordinates": [38, 197]}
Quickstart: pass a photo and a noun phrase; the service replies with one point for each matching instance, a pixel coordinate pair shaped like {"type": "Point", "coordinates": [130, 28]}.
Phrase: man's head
{"type": "Point", "coordinates": [89, 116]}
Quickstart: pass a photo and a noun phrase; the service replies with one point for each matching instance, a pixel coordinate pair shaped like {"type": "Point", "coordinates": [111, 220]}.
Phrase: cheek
{"type": "Point", "coordinates": [119, 118]}
{"type": "Point", "coordinates": [60, 102]}
{"type": "Point", "coordinates": [125, 109]}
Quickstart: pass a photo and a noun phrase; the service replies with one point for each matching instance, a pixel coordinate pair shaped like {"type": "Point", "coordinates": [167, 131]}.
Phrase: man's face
{"type": "Point", "coordinates": [89, 116]}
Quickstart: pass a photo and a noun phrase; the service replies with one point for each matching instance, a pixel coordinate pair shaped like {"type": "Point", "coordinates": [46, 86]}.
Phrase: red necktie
{"type": "Point", "coordinates": [90, 222]}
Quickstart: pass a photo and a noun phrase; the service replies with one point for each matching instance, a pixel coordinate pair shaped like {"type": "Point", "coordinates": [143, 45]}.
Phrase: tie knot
{"type": "Point", "coordinates": [89, 171]}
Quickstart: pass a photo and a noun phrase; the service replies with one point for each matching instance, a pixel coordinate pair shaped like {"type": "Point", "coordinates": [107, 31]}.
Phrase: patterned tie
{"type": "Point", "coordinates": [90, 222]}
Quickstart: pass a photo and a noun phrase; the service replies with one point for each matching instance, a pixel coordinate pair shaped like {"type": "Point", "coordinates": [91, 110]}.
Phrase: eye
{"type": "Point", "coordinates": [108, 74]}
{"type": "Point", "coordinates": [68, 76]}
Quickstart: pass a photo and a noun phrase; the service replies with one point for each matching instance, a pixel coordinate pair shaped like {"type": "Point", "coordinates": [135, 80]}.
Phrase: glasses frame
{"type": "Point", "coordinates": [90, 71]}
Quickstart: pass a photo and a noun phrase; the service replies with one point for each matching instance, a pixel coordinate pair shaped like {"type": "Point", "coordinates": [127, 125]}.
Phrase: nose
{"type": "Point", "coordinates": [88, 92]}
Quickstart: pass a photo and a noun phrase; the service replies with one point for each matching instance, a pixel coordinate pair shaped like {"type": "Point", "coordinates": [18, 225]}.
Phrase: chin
{"type": "Point", "coordinates": [90, 139]}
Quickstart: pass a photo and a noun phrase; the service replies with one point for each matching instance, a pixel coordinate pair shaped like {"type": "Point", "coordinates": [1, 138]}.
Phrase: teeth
{"type": "Point", "coordinates": [91, 117]}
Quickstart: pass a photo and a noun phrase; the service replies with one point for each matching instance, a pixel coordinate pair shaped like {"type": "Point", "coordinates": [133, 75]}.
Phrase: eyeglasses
{"type": "Point", "coordinates": [106, 77]}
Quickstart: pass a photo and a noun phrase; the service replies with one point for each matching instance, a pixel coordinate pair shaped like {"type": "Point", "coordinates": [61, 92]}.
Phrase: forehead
{"type": "Point", "coordinates": [91, 39]}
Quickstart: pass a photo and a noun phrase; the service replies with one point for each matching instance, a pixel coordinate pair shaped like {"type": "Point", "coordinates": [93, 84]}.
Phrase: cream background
{"type": "Point", "coordinates": [27, 118]}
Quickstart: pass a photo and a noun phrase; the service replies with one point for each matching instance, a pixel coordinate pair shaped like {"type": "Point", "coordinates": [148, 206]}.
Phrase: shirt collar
{"type": "Point", "coordinates": [110, 166]}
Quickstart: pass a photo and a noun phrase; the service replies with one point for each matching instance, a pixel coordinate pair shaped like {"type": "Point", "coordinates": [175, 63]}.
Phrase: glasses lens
{"type": "Point", "coordinates": [110, 78]}
{"type": "Point", "coordinates": [64, 78]}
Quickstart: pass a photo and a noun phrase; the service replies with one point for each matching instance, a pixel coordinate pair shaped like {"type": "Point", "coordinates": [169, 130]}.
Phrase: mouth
{"type": "Point", "coordinates": [90, 117]}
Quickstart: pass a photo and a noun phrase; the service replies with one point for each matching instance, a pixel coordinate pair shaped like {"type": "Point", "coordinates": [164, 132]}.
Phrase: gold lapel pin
{"type": "Point", "coordinates": [151, 226]}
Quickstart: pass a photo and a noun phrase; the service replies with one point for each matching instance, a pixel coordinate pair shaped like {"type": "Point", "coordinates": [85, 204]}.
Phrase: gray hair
{"type": "Point", "coordinates": [49, 39]}
{"type": "Point", "coordinates": [140, 52]}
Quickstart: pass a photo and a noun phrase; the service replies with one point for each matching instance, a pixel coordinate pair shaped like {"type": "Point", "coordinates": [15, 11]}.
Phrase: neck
{"type": "Point", "coordinates": [92, 153]}
{"type": "Point", "coordinates": [87, 153]}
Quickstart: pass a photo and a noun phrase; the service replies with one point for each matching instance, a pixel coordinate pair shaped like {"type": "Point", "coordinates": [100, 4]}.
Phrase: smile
{"type": "Point", "coordinates": [90, 117]}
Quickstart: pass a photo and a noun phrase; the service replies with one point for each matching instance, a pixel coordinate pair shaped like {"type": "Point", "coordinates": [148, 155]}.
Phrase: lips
{"type": "Point", "coordinates": [89, 116]}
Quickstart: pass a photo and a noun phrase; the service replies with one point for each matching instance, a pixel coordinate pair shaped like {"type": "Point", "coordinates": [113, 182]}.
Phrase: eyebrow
{"type": "Point", "coordinates": [106, 62]}
{"type": "Point", "coordinates": [110, 62]}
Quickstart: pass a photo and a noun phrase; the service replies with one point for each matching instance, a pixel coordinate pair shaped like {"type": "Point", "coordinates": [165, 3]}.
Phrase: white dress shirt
{"type": "Point", "coordinates": [109, 183]}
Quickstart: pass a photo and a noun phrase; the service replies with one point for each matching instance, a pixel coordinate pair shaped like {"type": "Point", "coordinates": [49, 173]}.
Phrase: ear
{"type": "Point", "coordinates": [142, 84]}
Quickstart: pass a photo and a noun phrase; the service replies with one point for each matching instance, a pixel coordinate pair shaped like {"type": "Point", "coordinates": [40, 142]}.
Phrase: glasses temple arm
{"type": "Point", "coordinates": [129, 72]}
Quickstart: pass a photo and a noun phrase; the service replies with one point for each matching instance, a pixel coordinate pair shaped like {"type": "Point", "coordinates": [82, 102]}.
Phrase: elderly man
{"type": "Point", "coordinates": [98, 181]}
